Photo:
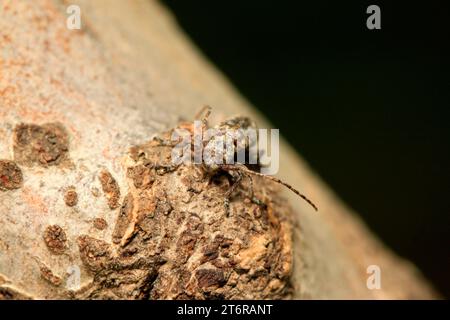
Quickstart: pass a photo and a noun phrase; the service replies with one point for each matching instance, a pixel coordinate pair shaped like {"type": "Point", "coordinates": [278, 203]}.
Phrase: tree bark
{"type": "Point", "coordinates": [73, 103]}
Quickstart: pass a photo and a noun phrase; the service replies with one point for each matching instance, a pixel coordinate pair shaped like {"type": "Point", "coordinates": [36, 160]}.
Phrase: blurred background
{"type": "Point", "coordinates": [368, 109]}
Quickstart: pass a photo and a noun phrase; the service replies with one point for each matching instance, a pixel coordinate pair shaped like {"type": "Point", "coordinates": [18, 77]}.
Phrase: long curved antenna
{"type": "Point", "coordinates": [246, 170]}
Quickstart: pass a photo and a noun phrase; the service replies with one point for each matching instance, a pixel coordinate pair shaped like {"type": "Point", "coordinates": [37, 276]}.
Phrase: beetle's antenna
{"type": "Point", "coordinates": [245, 169]}
{"type": "Point", "coordinates": [207, 111]}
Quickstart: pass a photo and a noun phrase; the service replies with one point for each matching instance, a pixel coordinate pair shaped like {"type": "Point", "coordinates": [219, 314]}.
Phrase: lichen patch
{"type": "Point", "coordinates": [11, 176]}
{"type": "Point", "coordinates": [110, 188]}
{"type": "Point", "coordinates": [100, 223]}
{"type": "Point", "coordinates": [44, 145]}
{"type": "Point", "coordinates": [55, 238]}
{"type": "Point", "coordinates": [48, 275]}
{"type": "Point", "coordinates": [71, 196]}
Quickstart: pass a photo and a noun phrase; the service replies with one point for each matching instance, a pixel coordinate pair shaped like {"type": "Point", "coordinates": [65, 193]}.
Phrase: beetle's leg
{"type": "Point", "coordinates": [252, 192]}
{"type": "Point", "coordinates": [206, 110]}
{"type": "Point", "coordinates": [254, 199]}
{"type": "Point", "coordinates": [161, 142]}
{"type": "Point", "coordinates": [235, 184]}
{"type": "Point", "coordinates": [165, 168]}
{"type": "Point", "coordinates": [230, 191]}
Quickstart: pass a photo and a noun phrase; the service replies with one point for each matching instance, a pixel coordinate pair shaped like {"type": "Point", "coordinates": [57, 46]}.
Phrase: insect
{"type": "Point", "coordinates": [236, 170]}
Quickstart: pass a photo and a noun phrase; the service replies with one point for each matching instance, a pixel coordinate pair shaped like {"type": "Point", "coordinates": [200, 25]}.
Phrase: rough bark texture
{"type": "Point", "coordinates": [81, 187]}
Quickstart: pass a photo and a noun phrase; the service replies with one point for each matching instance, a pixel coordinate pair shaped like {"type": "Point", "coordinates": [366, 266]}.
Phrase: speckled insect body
{"type": "Point", "coordinates": [239, 135]}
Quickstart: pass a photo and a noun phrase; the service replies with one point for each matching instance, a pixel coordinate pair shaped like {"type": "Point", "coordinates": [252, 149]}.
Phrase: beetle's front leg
{"type": "Point", "coordinates": [254, 199]}
{"type": "Point", "coordinates": [234, 185]}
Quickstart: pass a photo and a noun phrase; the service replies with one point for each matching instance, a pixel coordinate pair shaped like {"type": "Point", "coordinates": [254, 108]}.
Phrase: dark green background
{"type": "Point", "coordinates": [368, 109]}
